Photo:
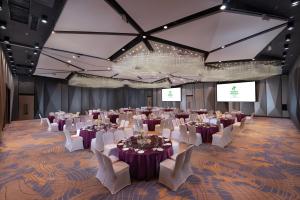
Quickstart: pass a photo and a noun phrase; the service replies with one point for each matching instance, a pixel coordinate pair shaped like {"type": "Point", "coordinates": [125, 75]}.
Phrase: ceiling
{"type": "Point", "coordinates": [91, 37]}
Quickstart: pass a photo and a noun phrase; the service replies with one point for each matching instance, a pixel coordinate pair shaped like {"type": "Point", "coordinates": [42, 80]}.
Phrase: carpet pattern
{"type": "Point", "coordinates": [262, 162]}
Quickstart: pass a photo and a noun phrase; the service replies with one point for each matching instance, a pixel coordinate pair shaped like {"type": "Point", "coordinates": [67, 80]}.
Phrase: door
{"type": "Point", "coordinates": [189, 102]}
{"type": "Point", "coordinates": [26, 107]}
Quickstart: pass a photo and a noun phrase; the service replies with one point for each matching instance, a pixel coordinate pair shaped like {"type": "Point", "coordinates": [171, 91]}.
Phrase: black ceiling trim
{"type": "Point", "coordinates": [148, 45]}
{"type": "Point", "coordinates": [95, 33]}
{"type": "Point", "coordinates": [62, 61]}
{"type": "Point", "coordinates": [196, 16]}
{"type": "Point", "coordinates": [156, 39]}
{"type": "Point", "coordinates": [70, 76]}
{"type": "Point", "coordinates": [243, 60]}
{"type": "Point", "coordinates": [20, 45]}
{"type": "Point", "coordinates": [127, 47]}
{"type": "Point", "coordinates": [75, 53]}
{"type": "Point", "coordinates": [54, 72]}
{"type": "Point", "coordinates": [249, 37]}
{"type": "Point", "coordinates": [122, 12]}
{"type": "Point", "coordinates": [57, 70]}
{"type": "Point", "coordinates": [97, 70]}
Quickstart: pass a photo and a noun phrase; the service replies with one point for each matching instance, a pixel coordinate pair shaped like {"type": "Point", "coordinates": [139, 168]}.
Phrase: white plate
{"type": "Point", "coordinates": [125, 149]}
{"type": "Point", "coordinates": [154, 149]}
{"type": "Point", "coordinates": [166, 140]}
{"type": "Point", "coordinates": [140, 151]}
{"type": "Point", "coordinates": [160, 149]}
{"type": "Point", "coordinates": [167, 144]}
{"type": "Point", "coordinates": [121, 143]}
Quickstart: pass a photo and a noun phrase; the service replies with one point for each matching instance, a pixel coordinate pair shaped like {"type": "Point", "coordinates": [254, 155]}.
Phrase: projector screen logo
{"type": "Point", "coordinates": [234, 92]}
{"type": "Point", "coordinates": [170, 95]}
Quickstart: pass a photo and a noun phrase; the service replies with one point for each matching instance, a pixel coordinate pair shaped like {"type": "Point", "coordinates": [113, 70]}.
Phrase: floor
{"type": "Point", "coordinates": [262, 162]}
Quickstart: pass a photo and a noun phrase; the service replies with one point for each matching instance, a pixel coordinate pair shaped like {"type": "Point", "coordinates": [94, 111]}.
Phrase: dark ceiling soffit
{"type": "Point", "coordinates": [57, 70]}
{"type": "Point", "coordinates": [75, 53]}
{"type": "Point", "coordinates": [95, 33]}
{"type": "Point", "coordinates": [251, 36]}
{"type": "Point", "coordinates": [148, 45]}
{"type": "Point", "coordinates": [123, 13]}
{"type": "Point", "coordinates": [54, 72]}
{"type": "Point", "coordinates": [62, 61]}
{"type": "Point", "coordinates": [187, 19]}
{"type": "Point", "coordinates": [156, 39]}
{"type": "Point", "coordinates": [127, 47]}
{"type": "Point", "coordinates": [19, 45]}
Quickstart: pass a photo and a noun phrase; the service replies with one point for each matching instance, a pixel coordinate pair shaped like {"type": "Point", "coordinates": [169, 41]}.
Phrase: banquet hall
{"type": "Point", "coordinates": [149, 99]}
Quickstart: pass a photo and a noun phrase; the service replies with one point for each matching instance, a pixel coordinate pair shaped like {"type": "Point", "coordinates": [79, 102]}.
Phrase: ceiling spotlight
{"type": "Point", "coordinates": [108, 59]}
{"type": "Point", "coordinates": [36, 45]}
{"type": "Point", "coordinates": [286, 46]}
{"type": "Point", "coordinates": [123, 49]}
{"type": "Point", "coordinates": [74, 56]}
{"type": "Point", "coordinates": [6, 40]}
{"type": "Point", "coordinates": [165, 27]}
{"type": "Point", "coordinates": [44, 19]}
{"type": "Point", "coordinates": [284, 54]}
{"type": "Point", "coordinates": [32, 63]}
{"type": "Point", "coordinates": [35, 52]}
{"type": "Point", "coordinates": [290, 25]}
{"type": "Point", "coordinates": [222, 47]}
{"type": "Point", "coordinates": [8, 47]}
{"type": "Point", "coordinates": [30, 70]}
{"type": "Point", "coordinates": [108, 68]}
{"type": "Point", "coordinates": [283, 62]}
{"type": "Point", "coordinates": [10, 55]}
{"type": "Point", "coordinates": [223, 7]}
{"type": "Point", "coordinates": [144, 36]}
{"type": "Point", "coordinates": [52, 32]}
{"type": "Point", "coordinates": [3, 25]}
{"type": "Point", "coordinates": [253, 58]}
{"type": "Point", "coordinates": [295, 3]}
{"type": "Point", "coordinates": [269, 48]}
{"type": "Point", "coordinates": [69, 61]}
{"type": "Point", "coordinates": [220, 61]}
{"type": "Point", "coordinates": [288, 38]}
{"type": "Point", "coordinates": [12, 60]}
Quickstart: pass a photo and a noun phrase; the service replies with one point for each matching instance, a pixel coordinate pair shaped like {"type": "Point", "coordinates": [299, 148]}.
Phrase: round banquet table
{"type": "Point", "coordinates": [51, 118]}
{"type": "Point", "coordinates": [199, 112]}
{"type": "Point", "coordinates": [147, 113]}
{"type": "Point", "coordinates": [184, 116]}
{"type": "Point", "coordinates": [113, 118]}
{"type": "Point", "coordinates": [87, 136]}
{"type": "Point", "coordinates": [168, 109]}
{"type": "Point", "coordinates": [151, 123]}
{"type": "Point", "coordinates": [61, 123]}
{"type": "Point", "coordinates": [240, 116]}
{"type": "Point", "coordinates": [226, 122]}
{"type": "Point", "coordinates": [95, 115]}
{"type": "Point", "coordinates": [206, 132]}
{"type": "Point", "coordinates": [145, 166]}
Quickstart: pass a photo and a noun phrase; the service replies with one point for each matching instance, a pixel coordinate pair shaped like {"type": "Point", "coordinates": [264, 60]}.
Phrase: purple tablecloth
{"type": "Point", "coordinates": [207, 132]}
{"type": "Point", "coordinates": [113, 117]}
{"type": "Point", "coordinates": [51, 118]}
{"type": "Point", "coordinates": [199, 112]}
{"type": "Point", "coordinates": [184, 116]}
{"type": "Point", "coordinates": [144, 166]}
{"type": "Point", "coordinates": [151, 123]}
{"type": "Point", "coordinates": [226, 122]}
{"type": "Point", "coordinates": [128, 110]}
{"type": "Point", "coordinates": [95, 115]}
{"type": "Point", "coordinates": [61, 124]}
{"type": "Point", "coordinates": [240, 117]}
{"type": "Point", "coordinates": [87, 136]}
{"type": "Point", "coordinates": [147, 113]}
{"type": "Point", "coordinates": [168, 109]}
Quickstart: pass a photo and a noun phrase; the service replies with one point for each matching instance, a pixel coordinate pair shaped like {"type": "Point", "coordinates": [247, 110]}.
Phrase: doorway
{"type": "Point", "coordinates": [26, 107]}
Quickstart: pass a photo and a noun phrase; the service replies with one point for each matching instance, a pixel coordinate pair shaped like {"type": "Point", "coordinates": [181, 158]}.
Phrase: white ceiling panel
{"type": "Point", "coordinates": [100, 73]}
{"type": "Point", "coordinates": [46, 62]}
{"type": "Point", "coordinates": [155, 13]}
{"type": "Point", "coordinates": [217, 30]}
{"type": "Point", "coordinates": [83, 62]}
{"type": "Point", "coordinates": [96, 45]}
{"type": "Point", "coordinates": [247, 49]}
{"type": "Point", "coordinates": [91, 15]}
{"type": "Point", "coordinates": [52, 74]}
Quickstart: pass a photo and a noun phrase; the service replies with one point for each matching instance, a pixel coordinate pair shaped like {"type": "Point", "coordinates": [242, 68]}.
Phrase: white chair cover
{"type": "Point", "coordinates": [73, 142]}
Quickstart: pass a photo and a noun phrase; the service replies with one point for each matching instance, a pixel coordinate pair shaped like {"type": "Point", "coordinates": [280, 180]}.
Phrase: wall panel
{"type": "Point", "coordinates": [273, 91]}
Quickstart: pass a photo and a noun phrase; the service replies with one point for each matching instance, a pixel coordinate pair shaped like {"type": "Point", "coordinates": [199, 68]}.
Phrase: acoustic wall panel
{"type": "Point", "coordinates": [273, 91]}
{"type": "Point", "coordinates": [260, 106]}
{"type": "Point", "coordinates": [52, 97]}
{"type": "Point", "coordinates": [284, 95]}
{"type": "Point", "coordinates": [199, 96]}
{"type": "Point", "coordinates": [247, 107]}
{"type": "Point", "coordinates": [74, 99]}
{"type": "Point", "coordinates": [209, 96]}
{"type": "Point", "coordinates": [39, 98]}
{"type": "Point", "coordinates": [65, 97]}
{"type": "Point", "coordinates": [85, 99]}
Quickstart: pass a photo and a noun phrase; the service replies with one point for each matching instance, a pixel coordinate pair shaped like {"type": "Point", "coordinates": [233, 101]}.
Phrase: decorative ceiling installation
{"type": "Point", "coordinates": [114, 39]}
{"type": "Point", "coordinates": [84, 80]}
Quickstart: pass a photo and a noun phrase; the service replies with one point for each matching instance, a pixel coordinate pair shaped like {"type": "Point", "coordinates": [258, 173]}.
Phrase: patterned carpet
{"type": "Point", "coordinates": [263, 162]}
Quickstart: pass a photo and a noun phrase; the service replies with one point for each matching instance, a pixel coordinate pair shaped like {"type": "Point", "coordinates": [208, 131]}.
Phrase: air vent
{"type": "Point", "coordinates": [19, 10]}
{"type": "Point", "coordinates": [34, 23]}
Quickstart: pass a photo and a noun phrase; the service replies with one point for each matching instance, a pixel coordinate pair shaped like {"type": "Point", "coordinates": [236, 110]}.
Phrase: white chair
{"type": "Point", "coordinates": [97, 143]}
{"type": "Point", "coordinates": [43, 120]}
{"type": "Point", "coordinates": [166, 133]}
{"type": "Point", "coordinates": [73, 142]}
{"type": "Point", "coordinates": [52, 127]}
{"type": "Point", "coordinates": [145, 127]}
{"type": "Point", "coordinates": [172, 172]}
{"type": "Point", "coordinates": [240, 124]}
{"type": "Point", "coordinates": [110, 148]}
{"type": "Point", "coordinates": [122, 123]}
{"type": "Point", "coordinates": [114, 176]}
{"type": "Point", "coordinates": [175, 124]}
{"type": "Point", "coordinates": [194, 137]}
{"type": "Point", "coordinates": [128, 132]}
{"type": "Point", "coordinates": [126, 124]}
{"type": "Point", "coordinates": [184, 135]}
{"type": "Point", "coordinates": [119, 135]}
{"type": "Point", "coordinates": [79, 125]}
{"type": "Point", "coordinates": [249, 119]}
{"type": "Point", "coordinates": [222, 139]}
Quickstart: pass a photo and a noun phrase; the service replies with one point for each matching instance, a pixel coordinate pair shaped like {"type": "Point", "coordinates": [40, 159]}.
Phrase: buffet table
{"type": "Point", "coordinates": [144, 161]}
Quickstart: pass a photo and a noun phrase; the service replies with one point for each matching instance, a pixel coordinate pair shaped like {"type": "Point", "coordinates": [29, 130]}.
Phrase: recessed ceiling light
{"type": "Point", "coordinates": [52, 32]}
{"type": "Point", "coordinates": [6, 40]}
{"type": "Point", "coordinates": [123, 49]}
{"type": "Point", "coordinates": [74, 56]}
{"type": "Point", "coordinates": [44, 19]}
{"type": "Point", "coordinates": [290, 25]}
{"type": "Point", "coordinates": [253, 58]}
{"type": "Point", "coordinates": [223, 7]}
{"type": "Point", "coordinates": [32, 63]}
{"type": "Point", "coordinates": [30, 70]}
{"type": "Point", "coordinates": [286, 46]}
{"type": "Point", "coordinates": [144, 36]}
{"type": "Point", "coordinates": [3, 25]}
{"type": "Point", "coordinates": [10, 55]}
{"type": "Point", "coordinates": [108, 68]}
{"type": "Point", "coordinates": [288, 38]}
{"type": "Point", "coordinates": [35, 52]}
{"type": "Point", "coordinates": [295, 3]}
{"type": "Point", "coordinates": [36, 46]}
{"type": "Point", "coordinates": [108, 59]}
{"type": "Point", "coordinates": [220, 61]}
{"type": "Point", "coordinates": [165, 27]}
{"type": "Point", "coordinates": [8, 47]}
{"type": "Point", "coordinates": [69, 61]}
{"type": "Point", "coordinates": [222, 47]}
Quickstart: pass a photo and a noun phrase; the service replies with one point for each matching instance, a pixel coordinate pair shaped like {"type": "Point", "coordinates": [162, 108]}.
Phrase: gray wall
{"type": "Point", "coordinates": [294, 93]}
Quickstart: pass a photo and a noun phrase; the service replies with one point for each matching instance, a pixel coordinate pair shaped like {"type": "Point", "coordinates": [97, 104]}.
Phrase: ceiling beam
{"type": "Point", "coordinates": [148, 45]}
{"type": "Point", "coordinates": [249, 37]}
{"type": "Point", "coordinates": [94, 33]}
{"type": "Point", "coordinates": [127, 47]}
{"type": "Point", "coordinates": [187, 19]}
